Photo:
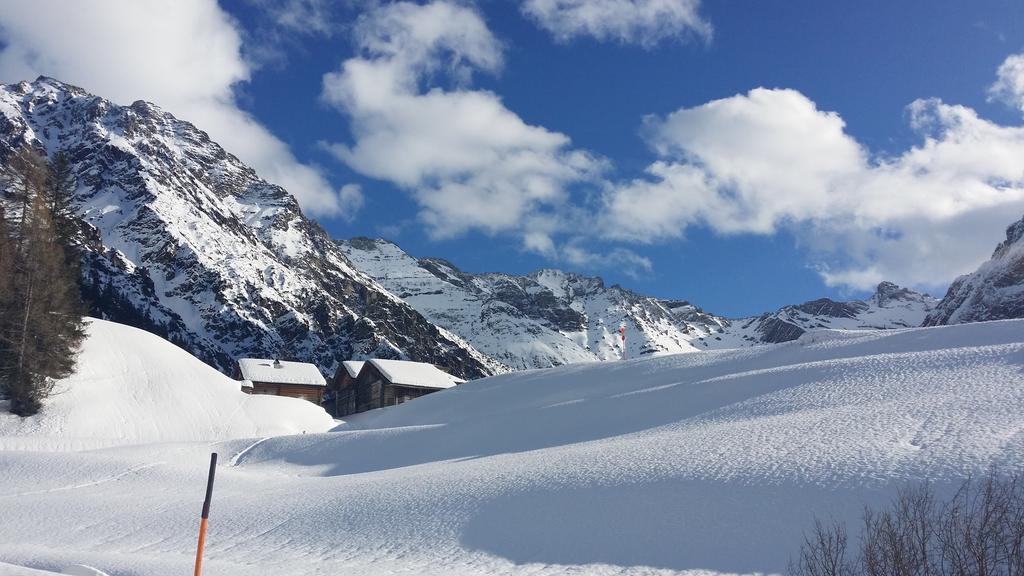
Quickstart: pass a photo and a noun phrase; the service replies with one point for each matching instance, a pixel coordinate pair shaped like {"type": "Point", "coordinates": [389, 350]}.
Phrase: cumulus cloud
{"type": "Point", "coordinates": [184, 56]}
{"type": "Point", "coordinates": [470, 162]}
{"type": "Point", "coordinates": [770, 160]}
{"type": "Point", "coordinates": [1009, 85]}
{"type": "Point", "coordinates": [643, 22]}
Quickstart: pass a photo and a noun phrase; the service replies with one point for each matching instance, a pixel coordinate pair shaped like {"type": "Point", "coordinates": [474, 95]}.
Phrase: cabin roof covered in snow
{"type": "Point", "coordinates": [263, 370]}
{"type": "Point", "coordinates": [418, 374]}
{"type": "Point", "coordinates": [353, 367]}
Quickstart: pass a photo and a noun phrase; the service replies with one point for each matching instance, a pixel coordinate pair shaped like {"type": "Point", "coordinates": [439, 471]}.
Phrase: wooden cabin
{"type": "Point", "coordinates": [378, 383]}
{"type": "Point", "coordinates": [282, 378]}
{"type": "Point", "coordinates": [343, 388]}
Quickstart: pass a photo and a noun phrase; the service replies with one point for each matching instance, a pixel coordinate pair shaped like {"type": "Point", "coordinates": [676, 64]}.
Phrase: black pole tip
{"type": "Point", "coordinates": [209, 485]}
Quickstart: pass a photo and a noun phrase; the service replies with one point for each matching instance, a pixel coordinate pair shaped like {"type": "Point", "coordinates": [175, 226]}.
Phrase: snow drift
{"type": "Point", "coordinates": [133, 387]}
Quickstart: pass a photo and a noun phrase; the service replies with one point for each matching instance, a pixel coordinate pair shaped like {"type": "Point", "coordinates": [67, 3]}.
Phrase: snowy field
{"type": "Point", "coordinates": [693, 463]}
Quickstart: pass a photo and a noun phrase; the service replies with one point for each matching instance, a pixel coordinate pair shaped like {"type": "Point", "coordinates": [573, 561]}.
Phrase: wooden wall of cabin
{"type": "Point", "coordinates": [344, 387]}
{"type": "Point", "coordinates": [345, 402]}
{"type": "Point", "coordinates": [395, 394]}
{"type": "Point", "coordinates": [369, 389]}
{"type": "Point", "coordinates": [312, 394]}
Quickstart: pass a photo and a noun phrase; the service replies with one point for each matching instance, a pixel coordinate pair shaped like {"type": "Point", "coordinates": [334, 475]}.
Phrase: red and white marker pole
{"type": "Point", "coordinates": [206, 515]}
{"type": "Point", "coordinates": [622, 333]}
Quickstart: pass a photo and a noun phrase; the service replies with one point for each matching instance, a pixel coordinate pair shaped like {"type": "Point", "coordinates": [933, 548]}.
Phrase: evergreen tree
{"type": "Point", "coordinates": [23, 178]}
{"type": "Point", "coordinates": [7, 294]}
{"type": "Point", "coordinates": [61, 187]}
{"type": "Point", "coordinates": [41, 324]}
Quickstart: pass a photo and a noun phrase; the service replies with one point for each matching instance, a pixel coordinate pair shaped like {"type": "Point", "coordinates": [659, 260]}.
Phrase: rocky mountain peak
{"type": "Point", "coordinates": [1014, 235]}
{"type": "Point", "coordinates": [566, 284]}
{"type": "Point", "coordinates": [47, 87]}
{"type": "Point", "coordinates": [364, 243]}
{"type": "Point", "coordinates": [885, 288]}
{"type": "Point", "coordinates": [888, 293]}
{"type": "Point", "coordinates": [995, 291]}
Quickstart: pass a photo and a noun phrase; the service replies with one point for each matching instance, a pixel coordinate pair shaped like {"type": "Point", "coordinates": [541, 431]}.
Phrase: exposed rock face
{"type": "Point", "coordinates": [995, 291]}
{"type": "Point", "coordinates": [539, 320]}
{"type": "Point", "coordinates": [185, 240]}
{"type": "Point", "coordinates": [891, 306]}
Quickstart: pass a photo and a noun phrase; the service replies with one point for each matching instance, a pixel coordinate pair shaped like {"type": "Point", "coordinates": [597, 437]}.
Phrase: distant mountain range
{"type": "Point", "coordinates": [552, 317]}
{"type": "Point", "coordinates": [183, 239]}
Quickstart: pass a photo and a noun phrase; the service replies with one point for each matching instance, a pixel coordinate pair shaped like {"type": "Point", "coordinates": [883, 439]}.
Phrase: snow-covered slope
{"type": "Point", "coordinates": [679, 464]}
{"type": "Point", "coordinates": [544, 319]}
{"type": "Point", "coordinates": [994, 291]}
{"type": "Point", "coordinates": [132, 387]}
{"type": "Point", "coordinates": [186, 241]}
{"type": "Point", "coordinates": [891, 306]}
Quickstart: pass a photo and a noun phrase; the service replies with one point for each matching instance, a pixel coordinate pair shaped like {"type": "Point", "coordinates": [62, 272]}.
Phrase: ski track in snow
{"type": "Point", "coordinates": [237, 458]}
{"type": "Point", "coordinates": [113, 478]}
{"type": "Point", "coordinates": [692, 464]}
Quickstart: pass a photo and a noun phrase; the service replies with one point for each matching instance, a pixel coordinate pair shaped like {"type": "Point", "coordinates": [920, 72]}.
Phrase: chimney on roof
{"type": "Point", "coordinates": [277, 363]}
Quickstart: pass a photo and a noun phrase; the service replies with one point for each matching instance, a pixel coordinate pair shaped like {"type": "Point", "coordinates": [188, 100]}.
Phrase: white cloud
{"type": "Point", "coordinates": [282, 26]}
{"type": "Point", "coordinates": [754, 163]}
{"type": "Point", "coordinates": [1009, 85]}
{"type": "Point", "coordinates": [769, 159]}
{"type": "Point", "coordinates": [643, 22]}
{"type": "Point", "coordinates": [184, 56]}
{"type": "Point", "coordinates": [620, 259]}
{"type": "Point", "coordinates": [300, 16]}
{"type": "Point", "coordinates": [470, 162]}
{"type": "Point", "coordinates": [351, 201]}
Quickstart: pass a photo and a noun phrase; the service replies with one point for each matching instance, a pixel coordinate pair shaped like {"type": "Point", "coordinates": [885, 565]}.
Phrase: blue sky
{"type": "Point", "coordinates": [885, 143]}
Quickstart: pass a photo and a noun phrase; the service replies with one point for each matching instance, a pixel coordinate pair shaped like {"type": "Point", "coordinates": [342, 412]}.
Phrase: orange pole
{"type": "Point", "coordinates": [205, 515]}
{"type": "Point", "coordinates": [199, 550]}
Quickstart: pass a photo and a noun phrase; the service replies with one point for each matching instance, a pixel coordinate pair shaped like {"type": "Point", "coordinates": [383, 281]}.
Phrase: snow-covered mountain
{"type": "Point", "coordinates": [543, 319]}
{"type": "Point", "coordinates": [891, 306]}
{"type": "Point", "coordinates": [549, 317]}
{"type": "Point", "coordinates": [185, 240]}
{"type": "Point", "coordinates": [995, 291]}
